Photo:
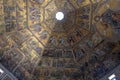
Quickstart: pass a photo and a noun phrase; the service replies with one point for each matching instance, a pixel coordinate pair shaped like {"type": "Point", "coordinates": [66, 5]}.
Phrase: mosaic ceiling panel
{"type": "Point", "coordinates": [34, 45]}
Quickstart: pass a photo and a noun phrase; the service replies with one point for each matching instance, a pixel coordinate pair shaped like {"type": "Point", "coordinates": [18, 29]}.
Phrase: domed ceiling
{"type": "Point", "coordinates": [35, 45]}
{"type": "Point", "coordinates": [52, 31]}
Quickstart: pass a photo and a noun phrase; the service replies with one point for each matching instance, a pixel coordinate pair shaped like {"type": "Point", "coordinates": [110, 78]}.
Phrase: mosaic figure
{"type": "Point", "coordinates": [71, 39]}
{"type": "Point", "coordinates": [43, 35]}
{"type": "Point", "coordinates": [78, 33]}
{"type": "Point", "coordinates": [62, 41]}
{"type": "Point", "coordinates": [37, 28]}
{"type": "Point", "coordinates": [53, 40]}
{"type": "Point", "coordinates": [34, 14]}
{"type": "Point", "coordinates": [111, 18]}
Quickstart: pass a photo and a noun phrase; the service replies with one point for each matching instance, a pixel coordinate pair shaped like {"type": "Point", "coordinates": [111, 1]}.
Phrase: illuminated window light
{"type": "Point", "coordinates": [112, 77]}
{"type": "Point", "coordinates": [1, 71]}
{"type": "Point", "coordinates": [59, 16]}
